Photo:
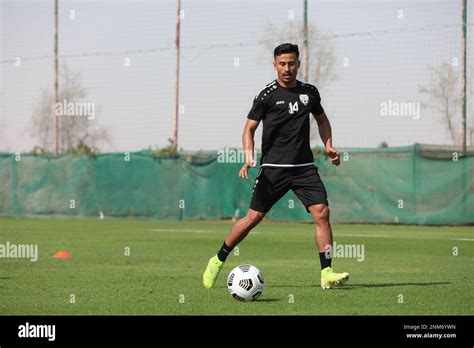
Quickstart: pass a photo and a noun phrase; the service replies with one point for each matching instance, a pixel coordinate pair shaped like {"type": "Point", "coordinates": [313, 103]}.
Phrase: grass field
{"type": "Point", "coordinates": [162, 275]}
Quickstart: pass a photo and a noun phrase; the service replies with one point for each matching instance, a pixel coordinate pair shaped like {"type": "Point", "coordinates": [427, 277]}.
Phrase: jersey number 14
{"type": "Point", "coordinates": [293, 107]}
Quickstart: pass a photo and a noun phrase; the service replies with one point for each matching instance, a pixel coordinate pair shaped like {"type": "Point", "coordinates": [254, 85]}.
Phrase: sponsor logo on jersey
{"type": "Point", "coordinates": [280, 102]}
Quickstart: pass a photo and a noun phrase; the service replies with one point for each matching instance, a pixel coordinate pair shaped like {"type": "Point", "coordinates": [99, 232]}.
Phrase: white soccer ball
{"type": "Point", "coordinates": [245, 283]}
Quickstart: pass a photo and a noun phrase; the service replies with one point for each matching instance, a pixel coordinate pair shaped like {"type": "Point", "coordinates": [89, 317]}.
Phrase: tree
{"type": "Point", "coordinates": [75, 132]}
{"type": "Point", "coordinates": [321, 57]}
{"type": "Point", "coordinates": [168, 151]}
{"type": "Point", "coordinates": [445, 96]}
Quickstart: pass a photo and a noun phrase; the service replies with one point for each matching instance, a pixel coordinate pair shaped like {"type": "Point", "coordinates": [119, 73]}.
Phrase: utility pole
{"type": "Point", "coordinates": [176, 90]}
{"type": "Point", "coordinates": [305, 42]}
{"type": "Point", "coordinates": [463, 78]}
{"type": "Point", "coordinates": [56, 83]}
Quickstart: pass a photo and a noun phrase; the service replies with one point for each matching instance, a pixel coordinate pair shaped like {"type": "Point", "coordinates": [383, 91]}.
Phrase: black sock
{"type": "Point", "coordinates": [325, 262]}
{"type": "Point", "coordinates": [224, 252]}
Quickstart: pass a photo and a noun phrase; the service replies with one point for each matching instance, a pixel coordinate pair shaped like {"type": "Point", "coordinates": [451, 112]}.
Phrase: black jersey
{"type": "Point", "coordinates": [286, 128]}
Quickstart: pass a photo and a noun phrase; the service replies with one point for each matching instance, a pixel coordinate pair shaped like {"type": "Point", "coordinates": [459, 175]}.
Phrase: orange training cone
{"type": "Point", "coordinates": [62, 255]}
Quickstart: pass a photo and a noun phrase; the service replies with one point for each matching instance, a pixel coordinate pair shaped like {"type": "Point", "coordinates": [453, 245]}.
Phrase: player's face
{"type": "Point", "coordinates": [286, 65]}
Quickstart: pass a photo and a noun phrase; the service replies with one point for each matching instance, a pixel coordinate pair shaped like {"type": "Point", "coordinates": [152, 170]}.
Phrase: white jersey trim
{"type": "Point", "coordinates": [271, 83]}
{"type": "Point", "coordinates": [287, 165]}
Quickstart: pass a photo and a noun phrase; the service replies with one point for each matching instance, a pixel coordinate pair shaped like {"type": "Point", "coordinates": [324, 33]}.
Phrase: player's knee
{"type": "Point", "coordinates": [321, 213]}
{"type": "Point", "coordinates": [254, 217]}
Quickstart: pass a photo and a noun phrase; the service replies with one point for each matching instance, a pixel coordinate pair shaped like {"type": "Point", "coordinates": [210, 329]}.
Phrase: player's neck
{"type": "Point", "coordinates": [287, 85]}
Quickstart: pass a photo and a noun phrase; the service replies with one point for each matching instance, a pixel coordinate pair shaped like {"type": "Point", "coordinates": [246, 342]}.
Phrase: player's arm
{"type": "Point", "coordinates": [248, 144]}
{"type": "Point", "coordinates": [325, 133]}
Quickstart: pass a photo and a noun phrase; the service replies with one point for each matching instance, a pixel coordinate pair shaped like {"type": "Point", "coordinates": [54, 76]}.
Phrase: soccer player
{"type": "Point", "coordinates": [287, 162]}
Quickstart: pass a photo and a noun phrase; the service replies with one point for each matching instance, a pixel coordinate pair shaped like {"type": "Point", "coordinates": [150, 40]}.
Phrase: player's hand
{"type": "Point", "coordinates": [244, 171]}
{"type": "Point", "coordinates": [334, 155]}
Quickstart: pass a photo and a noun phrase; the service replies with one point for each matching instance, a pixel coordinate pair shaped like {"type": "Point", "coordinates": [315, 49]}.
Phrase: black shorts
{"type": "Point", "coordinates": [272, 183]}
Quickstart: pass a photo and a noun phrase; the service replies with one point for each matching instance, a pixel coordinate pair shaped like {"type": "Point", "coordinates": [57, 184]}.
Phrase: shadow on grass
{"type": "Point", "coordinates": [294, 286]}
{"type": "Point", "coordinates": [278, 286]}
{"type": "Point", "coordinates": [268, 300]}
{"type": "Point", "coordinates": [349, 286]}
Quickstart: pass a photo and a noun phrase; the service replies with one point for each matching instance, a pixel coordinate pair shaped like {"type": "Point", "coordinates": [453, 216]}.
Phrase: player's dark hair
{"type": "Point", "coordinates": [286, 48]}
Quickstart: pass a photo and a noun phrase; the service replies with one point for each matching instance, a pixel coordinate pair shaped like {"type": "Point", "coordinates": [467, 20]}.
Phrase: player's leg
{"type": "Point", "coordinates": [323, 231]}
{"type": "Point", "coordinates": [309, 188]}
{"type": "Point", "coordinates": [239, 231]}
{"type": "Point", "coordinates": [242, 227]}
{"type": "Point", "coordinates": [323, 240]}
{"type": "Point", "coordinates": [270, 185]}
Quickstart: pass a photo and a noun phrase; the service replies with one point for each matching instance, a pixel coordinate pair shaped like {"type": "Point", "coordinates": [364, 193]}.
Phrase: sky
{"type": "Point", "coordinates": [384, 51]}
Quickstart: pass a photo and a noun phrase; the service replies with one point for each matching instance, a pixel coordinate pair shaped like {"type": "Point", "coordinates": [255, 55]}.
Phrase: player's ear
{"type": "Point", "coordinates": [274, 64]}
{"type": "Point", "coordinates": [299, 63]}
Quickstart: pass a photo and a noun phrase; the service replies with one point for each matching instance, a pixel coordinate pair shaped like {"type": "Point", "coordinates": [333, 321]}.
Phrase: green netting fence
{"type": "Point", "coordinates": [417, 184]}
